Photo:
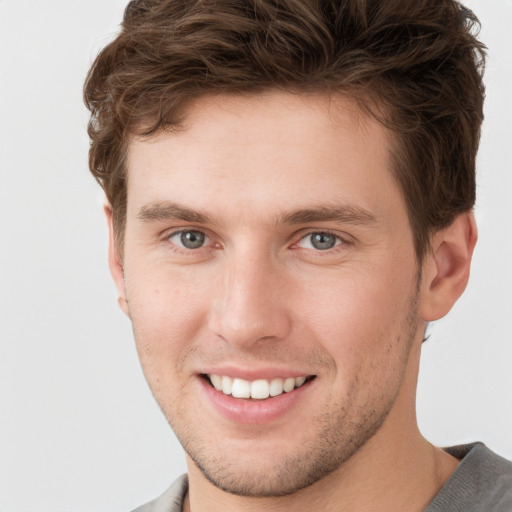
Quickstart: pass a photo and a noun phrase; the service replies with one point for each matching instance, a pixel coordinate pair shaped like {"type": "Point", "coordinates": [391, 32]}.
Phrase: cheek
{"type": "Point", "coordinates": [167, 312]}
{"type": "Point", "coordinates": [360, 317]}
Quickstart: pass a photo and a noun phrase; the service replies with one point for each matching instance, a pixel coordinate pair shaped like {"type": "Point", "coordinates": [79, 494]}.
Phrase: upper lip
{"type": "Point", "coordinates": [251, 374]}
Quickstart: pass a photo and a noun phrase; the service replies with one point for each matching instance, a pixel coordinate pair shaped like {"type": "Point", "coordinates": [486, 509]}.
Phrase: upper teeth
{"type": "Point", "coordinates": [261, 388]}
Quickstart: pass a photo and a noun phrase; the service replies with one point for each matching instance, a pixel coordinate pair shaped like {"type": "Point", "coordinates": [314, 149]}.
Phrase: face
{"type": "Point", "coordinates": [270, 275]}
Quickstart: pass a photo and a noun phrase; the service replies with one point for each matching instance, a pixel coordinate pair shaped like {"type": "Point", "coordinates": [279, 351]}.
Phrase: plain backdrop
{"type": "Point", "coordinates": [79, 430]}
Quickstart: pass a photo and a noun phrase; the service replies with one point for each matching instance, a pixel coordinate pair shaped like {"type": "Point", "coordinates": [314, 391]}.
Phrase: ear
{"type": "Point", "coordinates": [114, 261]}
{"type": "Point", "coordinates": [446, 267]}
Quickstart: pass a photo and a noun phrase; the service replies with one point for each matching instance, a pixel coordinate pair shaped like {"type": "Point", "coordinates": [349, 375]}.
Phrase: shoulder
{"type": "Point", "coordinates": [482, 481]}
{"type": "Point", "coordinates": [171, 500]}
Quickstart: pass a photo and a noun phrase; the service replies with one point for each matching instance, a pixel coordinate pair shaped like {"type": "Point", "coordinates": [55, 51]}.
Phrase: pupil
{"type": "Point", "coordinates": [192, 239]}
{"type": "Point", "coordinates": [323, 241]}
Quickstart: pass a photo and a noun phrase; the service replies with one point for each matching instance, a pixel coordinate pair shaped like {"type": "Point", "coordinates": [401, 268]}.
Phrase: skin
{"type": "Point", "coordinates": [258, 294]}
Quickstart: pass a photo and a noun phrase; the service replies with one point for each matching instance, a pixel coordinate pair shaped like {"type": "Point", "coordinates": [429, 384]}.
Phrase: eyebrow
{"type": "Point", "coordinates": [347, 213]}
{"type": "Point", "coordinates": [161, 211]}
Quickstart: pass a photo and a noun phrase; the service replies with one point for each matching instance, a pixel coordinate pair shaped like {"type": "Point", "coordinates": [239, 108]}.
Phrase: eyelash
{"type": "Point", "coordinates": [184, 250]}
{"type": "Point", "coordinates": [340, 241]}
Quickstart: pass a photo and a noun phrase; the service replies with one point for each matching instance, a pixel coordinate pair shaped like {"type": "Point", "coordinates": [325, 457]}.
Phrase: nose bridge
{"type": "Point", "coordinates": [250, 305]}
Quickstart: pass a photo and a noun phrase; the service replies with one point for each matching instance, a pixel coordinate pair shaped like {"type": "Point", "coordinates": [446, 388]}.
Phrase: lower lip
{"type": "Point", "coordinates": [249, 411]}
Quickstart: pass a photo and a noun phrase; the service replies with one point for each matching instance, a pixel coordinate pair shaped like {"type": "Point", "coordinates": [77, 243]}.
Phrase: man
{"type": "Point", "coordinates": [290, 188]}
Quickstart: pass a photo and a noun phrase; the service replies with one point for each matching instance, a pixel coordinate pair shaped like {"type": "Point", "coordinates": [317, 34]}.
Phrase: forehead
{"type": "Point", "coordinates": [266, 150]}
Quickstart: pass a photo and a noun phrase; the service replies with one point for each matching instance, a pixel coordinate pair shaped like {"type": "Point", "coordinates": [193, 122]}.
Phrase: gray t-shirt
{"type": "Point", "coordinates": [482, 482]}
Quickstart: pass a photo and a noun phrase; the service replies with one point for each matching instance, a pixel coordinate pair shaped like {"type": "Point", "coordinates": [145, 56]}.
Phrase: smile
{"type": "Point", "coordinates": [257, 389]}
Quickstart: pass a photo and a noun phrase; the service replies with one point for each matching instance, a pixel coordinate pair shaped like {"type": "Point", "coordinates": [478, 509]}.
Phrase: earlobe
{"type": "Point", "coordinates": [114, 261]}
{"type": "Point", "coordinates": [447, 266]}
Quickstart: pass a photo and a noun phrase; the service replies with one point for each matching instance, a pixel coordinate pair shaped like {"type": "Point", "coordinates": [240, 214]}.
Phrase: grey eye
{"type": "Point", "coordinates": [323, 241]}
{"type": "Point", "coordinates": [320, 241]}
{"type": "Point", "coordinates": [192, 239]}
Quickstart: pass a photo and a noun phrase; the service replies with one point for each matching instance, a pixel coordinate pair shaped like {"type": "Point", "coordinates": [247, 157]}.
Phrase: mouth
{"type": "Point", "coordinates": [260, 389]}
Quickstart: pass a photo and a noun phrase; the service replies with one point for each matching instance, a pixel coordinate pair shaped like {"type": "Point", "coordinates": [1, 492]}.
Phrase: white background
{"type": "Point", "coordinates": [79, 430]}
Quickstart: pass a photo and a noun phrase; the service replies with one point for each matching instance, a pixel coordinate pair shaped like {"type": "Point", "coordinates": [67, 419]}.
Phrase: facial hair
{"type": "Point", "coordinates": [339, 433]}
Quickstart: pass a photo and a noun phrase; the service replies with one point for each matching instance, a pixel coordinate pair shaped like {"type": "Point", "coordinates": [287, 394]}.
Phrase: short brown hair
{"type": "Point", "coordinates": [415, 65]}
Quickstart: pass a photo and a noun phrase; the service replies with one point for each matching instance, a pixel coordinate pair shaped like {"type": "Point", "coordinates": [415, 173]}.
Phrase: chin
{"type": "Point", "coordinates": [276, 469]}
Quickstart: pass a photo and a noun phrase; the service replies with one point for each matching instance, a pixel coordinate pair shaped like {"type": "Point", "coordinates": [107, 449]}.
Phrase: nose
{"type": "Point", "coordinates": [251, 303]}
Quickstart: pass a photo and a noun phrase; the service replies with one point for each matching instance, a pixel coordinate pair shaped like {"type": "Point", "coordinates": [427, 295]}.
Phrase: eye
{"type": "Point", "coordinates": [190, 239]}
{"type": "Point", "coordinates": [320, 241]}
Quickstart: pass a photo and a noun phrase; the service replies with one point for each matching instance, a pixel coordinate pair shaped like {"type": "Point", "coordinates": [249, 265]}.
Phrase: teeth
{"type": "Point", "coordinates": [258, 389]}
{"type": "Point", "coordinates": [276, 387]}
{"type": "Point", "coordinates": [289, 385]}
{"type": "Point", "coordinates": [216, 381]}
{"type": "Point", "coordinates": [241, 388]}
{"type": "Point", "coordinates": [299, 381]}
{"type": "Point", "coordinates": [227, 385]}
